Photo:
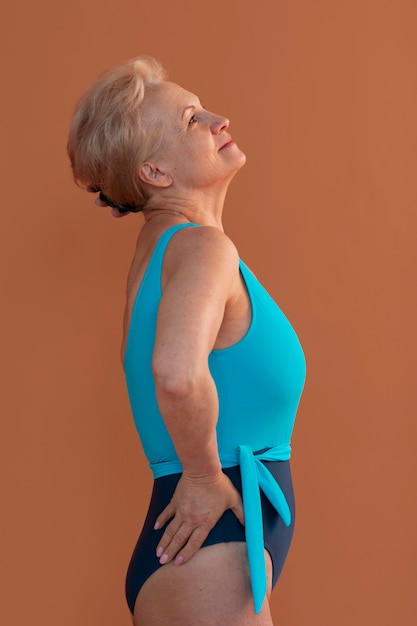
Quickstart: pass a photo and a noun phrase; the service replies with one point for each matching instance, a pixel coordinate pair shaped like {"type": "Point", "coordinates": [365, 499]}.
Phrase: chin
{"type": "Point", "coordinates": [238, 166]}
{"type": "Point", "coordinates": [241, 159]}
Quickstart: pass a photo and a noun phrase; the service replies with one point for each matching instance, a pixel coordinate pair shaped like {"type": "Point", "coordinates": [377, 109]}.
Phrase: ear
{"type": "Point", "coordinates": [152, 175]}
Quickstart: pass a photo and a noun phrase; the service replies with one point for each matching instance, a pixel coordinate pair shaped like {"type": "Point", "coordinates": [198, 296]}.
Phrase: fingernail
{"type": "Point", "coordinates": [179, 560]}
{"type": "Point", "coordinates": [163, 559]}
{"type": "Point", "coordinates": [157, 526]}
{"type": "Point", "coordinates": [159, 552]}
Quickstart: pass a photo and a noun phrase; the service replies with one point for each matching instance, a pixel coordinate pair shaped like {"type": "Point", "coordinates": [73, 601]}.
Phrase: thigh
{"type": "Point", "coordinates": [212, 589]}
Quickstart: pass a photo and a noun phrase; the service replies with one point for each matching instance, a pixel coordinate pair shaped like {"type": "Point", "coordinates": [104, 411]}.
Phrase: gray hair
{"type": "Point", "coordinates": [108, 136]}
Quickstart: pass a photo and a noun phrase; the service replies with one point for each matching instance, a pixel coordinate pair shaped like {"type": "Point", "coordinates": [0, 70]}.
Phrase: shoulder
{"type": "Point", "coordinates": [204, 252]}
{"type": "Point", "coordinates": [202, 244]}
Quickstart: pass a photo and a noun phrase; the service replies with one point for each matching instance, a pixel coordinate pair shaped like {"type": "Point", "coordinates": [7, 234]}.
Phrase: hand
{"type": "Point", "coordinates": [102, 203]}
{"type": "Point", "coordinates": [196, 506]}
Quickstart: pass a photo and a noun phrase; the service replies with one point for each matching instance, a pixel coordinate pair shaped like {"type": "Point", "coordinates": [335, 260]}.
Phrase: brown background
{"type": "Point", "coordinates": [322, 97]}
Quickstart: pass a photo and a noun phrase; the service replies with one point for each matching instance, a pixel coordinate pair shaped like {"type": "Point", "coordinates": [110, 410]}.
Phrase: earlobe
{"type": "Point", "coordinates": [152, 175]}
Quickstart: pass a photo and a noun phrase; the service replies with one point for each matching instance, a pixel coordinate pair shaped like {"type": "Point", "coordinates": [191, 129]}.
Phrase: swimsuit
{"type": "Point", "coordinates": [259, 382]}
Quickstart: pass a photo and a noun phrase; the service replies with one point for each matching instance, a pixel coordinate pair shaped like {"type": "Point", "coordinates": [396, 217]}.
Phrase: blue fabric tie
{"type": "Point", "coordinates": [256, 476]}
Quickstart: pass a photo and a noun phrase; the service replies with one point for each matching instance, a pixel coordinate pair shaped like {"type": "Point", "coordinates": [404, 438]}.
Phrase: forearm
{"type": "Point", "coordinates": [190, 414]}
{"type": "Point", "coordinates": [204, 492]}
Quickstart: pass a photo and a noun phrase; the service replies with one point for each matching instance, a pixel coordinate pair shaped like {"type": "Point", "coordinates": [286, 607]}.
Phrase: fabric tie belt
{"type": "Point", "coordinates": [255, 476]}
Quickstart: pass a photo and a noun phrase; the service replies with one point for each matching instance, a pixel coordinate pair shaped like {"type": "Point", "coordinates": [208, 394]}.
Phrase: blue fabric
{"type": "Point", "coordinates": [259, 382]}
{"type": "Point", "coordinates": [255, 476]}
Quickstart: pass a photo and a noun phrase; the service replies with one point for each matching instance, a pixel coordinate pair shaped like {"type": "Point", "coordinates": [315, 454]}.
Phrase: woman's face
{"type": "Point", "coordinates": [197, 150]}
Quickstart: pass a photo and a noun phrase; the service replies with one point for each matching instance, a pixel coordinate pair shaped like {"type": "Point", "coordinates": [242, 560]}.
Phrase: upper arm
{"type": "Point", "coordinates": [201, 270]}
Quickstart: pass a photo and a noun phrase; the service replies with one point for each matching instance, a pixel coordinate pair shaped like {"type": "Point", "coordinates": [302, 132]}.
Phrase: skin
{"type": "Point", "coordinates": [204, 306]}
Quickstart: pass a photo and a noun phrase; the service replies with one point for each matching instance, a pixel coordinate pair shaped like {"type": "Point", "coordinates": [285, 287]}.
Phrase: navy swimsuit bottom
{"type": "Point", "coordinates": [277, 536]}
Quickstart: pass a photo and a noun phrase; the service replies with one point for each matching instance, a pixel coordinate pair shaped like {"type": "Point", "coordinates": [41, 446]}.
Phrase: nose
{"type": "Point", "coordinates": [219, 124]}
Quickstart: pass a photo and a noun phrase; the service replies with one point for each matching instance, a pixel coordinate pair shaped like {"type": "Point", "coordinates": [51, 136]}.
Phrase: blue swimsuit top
{"type": "Point", "coordinates": [259, 383]}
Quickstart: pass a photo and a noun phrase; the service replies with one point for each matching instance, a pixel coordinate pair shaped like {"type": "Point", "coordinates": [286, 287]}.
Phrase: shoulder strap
{"type": "Point", "coordinates": [166, 237]}
{"type": "Point", "coordinates": [149, 291]}
{"type": "Point", "coordinates": [154, 270]}
{"type": "Point", "coordinates": [155, 263]}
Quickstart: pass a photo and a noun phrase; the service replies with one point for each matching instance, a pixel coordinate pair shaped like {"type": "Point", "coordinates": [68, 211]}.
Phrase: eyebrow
{"type": "Point", "coordinates": [190, 106]}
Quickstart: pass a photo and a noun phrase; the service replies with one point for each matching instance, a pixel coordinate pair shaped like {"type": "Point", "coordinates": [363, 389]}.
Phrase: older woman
{"type": "Point", "coordinates": [214, 370]}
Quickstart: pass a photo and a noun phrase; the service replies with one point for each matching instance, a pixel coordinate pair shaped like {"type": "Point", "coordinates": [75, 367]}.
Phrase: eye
{"type": "Point", "coordinates": [193, 119]}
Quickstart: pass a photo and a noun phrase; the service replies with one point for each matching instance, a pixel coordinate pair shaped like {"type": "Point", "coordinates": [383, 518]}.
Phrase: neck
{"type": "Point", "coordinates": [199, 207]}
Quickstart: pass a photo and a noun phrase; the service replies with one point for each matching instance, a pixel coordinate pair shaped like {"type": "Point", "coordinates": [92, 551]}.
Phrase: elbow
{"type": "Point", "coordinates": [172, 380]}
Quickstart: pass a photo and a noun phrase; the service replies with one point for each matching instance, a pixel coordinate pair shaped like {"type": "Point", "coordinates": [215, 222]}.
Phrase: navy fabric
{"type": "Point", "coordinates": [277, 536]}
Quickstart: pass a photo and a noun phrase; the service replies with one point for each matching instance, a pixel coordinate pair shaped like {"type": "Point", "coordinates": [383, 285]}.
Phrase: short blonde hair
{"type": "Point", "coordinates": [108, 135]}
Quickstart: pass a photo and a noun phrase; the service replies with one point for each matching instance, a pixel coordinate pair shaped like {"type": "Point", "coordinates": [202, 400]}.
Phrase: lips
{"type": "Point", "coordinates": [229, 142]}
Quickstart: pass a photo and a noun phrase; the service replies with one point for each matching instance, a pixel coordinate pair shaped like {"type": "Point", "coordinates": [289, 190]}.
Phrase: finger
{"type": "Point", "coordinates": [238, 511]}
{"type": "Point", "coordinates": [174, 538]}
{"type": "Point", "coordinates": [167, 514]}
{"type": "Point", "coordinates": [117, 213]}
{"type": "Point", "coordinates": [237, 507]}
{"type": "Point", "coordinates": [194, 543]}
